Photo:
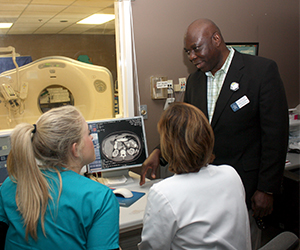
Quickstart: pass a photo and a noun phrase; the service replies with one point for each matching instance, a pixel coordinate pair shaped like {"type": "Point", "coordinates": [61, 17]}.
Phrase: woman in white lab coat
{"type": "Point", "coordinates": [202, 206]}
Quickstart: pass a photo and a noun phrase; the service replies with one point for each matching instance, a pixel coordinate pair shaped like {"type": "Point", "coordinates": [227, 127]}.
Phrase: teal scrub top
{"type": "Point", "coordinates": [85, 217]}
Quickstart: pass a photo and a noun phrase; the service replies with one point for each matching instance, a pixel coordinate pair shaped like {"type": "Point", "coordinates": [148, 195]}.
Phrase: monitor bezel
{"type": "Point", "coordinates": [6, 134]}
{"type": "Point", "coordinates": [125, 167]}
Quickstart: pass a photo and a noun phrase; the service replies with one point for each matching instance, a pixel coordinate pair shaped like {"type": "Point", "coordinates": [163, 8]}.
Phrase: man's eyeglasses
{"type": "Point", "coordinates": [196, 50]}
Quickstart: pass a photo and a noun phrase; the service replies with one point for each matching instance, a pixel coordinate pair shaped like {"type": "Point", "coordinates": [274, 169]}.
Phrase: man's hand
{"type": "Point", "coordinates": [152, 162]}
{"type": "Point", "coordinates": [262, 204]}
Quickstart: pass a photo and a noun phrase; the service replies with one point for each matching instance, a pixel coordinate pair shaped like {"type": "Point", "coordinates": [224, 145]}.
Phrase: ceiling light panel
{"type": "Point", "coordinates": [5, 25]}
{"type": "Point", "coordinates": [97, 19]}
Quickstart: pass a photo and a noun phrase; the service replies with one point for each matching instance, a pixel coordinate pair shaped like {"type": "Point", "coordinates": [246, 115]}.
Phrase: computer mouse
{"type": "Point", "coordinates": [124, 192]}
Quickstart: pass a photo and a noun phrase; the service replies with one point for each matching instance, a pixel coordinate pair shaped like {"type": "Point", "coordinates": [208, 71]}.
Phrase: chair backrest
{"type": "Point", "coordinates": [84, 58]}
{"type": "Point", "coordinates": [283, 241]}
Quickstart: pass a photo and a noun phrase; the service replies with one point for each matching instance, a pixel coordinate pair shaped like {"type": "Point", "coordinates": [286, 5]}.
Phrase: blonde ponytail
{"type": "Point", "coordinates": [32, 188]}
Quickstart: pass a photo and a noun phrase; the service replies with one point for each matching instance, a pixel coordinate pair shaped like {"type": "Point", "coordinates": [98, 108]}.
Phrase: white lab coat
{"type": "Point", "coordinates": [204, 210]}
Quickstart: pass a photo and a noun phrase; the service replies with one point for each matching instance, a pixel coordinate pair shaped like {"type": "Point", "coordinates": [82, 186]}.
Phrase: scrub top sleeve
{"type": "Point", "coordinates": [159, 225]}
{"type": "Point", "coordinates": [3, 216]}
{"type": "Point", "coordinates": [104, 233]}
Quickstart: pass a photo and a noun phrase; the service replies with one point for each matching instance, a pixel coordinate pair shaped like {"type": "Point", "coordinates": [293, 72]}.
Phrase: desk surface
{"type": "Point", "coordinates": [293, 160]}
{"type": "Point", "coordinates": [132, 217]}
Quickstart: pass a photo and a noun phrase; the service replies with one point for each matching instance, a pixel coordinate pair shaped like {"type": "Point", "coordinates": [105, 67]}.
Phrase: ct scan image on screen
{"type": "Point", "coordinates": [118, 143]}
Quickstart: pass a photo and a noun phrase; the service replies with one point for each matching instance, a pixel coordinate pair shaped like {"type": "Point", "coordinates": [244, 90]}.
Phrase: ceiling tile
{"type": "Point", "coordinates": [53, 2]}
{"type": "Point", "coordinates": [94, 3]}
{"type": "Point", "coordinates": [15, 1]}
{"type": "Point", "coordinates": [10, 6]}
{"type": "Point", "coordinates": [45, 8]}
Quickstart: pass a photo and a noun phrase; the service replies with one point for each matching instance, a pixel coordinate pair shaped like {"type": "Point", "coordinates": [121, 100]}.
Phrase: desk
{"type": "Point", "coordinates": [131, 218]}
{"type": "Point", "coordinates": [286, 205]}
{"type": "Point", "coordinates": [294, 161]}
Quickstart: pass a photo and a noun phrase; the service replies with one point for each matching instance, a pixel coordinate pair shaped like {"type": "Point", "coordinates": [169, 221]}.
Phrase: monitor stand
{"type": "Point", "coordinates": [116, 177]}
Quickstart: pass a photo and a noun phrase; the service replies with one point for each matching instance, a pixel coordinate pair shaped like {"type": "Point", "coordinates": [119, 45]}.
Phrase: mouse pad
{"type": "Point", "coordinates": [126, 202]}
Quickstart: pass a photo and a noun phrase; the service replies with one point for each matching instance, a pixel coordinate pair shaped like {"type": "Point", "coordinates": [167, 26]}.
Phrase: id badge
{"type": "Point", "coordinates": [240, 103]}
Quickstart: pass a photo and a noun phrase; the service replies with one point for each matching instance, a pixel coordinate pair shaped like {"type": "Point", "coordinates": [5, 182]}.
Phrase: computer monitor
{"type": "Point", "coordinates": [246, 48]}
{"type": "Point", "coordinates": [5, 147]}
{"type": "Point", "coordinates": [120, 144]}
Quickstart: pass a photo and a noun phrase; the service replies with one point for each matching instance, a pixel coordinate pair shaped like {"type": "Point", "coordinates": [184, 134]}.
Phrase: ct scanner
{"type": "Point", "coordinates": [28, 91]}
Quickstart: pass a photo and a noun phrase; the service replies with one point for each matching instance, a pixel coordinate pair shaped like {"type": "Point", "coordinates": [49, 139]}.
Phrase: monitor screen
{"type": "Point", "coordinates": [4, 150]}
{"type": "Point", "coordinates": [246, 48]}
{"type": "Point", "coordinates": [118, 143]}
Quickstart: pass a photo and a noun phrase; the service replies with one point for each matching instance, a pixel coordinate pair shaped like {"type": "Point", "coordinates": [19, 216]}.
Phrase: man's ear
{"type": "Point", "coordinates": [75, 150]}
{"type": "Point", "coordinates": [217, 39]}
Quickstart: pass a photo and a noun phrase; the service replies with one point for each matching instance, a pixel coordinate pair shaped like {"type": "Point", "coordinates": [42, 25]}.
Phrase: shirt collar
{"type": "Point", "coordinates": [226, 65]}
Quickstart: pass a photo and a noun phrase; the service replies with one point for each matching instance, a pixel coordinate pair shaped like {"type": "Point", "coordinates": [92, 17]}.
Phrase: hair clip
{"type": "Point", "coordinates": [34, 130]}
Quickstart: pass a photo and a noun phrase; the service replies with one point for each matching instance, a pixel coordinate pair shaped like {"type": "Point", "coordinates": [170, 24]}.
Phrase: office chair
{"type": "Point", "coordinates": [283, 241]}
{"type": "Point", "coordinates": [3, 230]}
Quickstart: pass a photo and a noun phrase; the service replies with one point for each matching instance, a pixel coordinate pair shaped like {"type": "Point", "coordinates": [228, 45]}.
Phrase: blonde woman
{"type": "Point", "coordinates": [202, 206]}
{"type": "Point", "coordinates": [45, 202]}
